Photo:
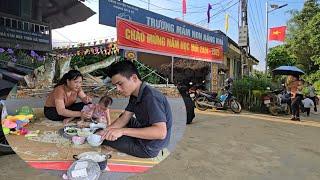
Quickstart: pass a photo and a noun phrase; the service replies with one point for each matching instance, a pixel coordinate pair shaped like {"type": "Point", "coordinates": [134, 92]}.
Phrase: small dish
{"type": "Point", "coordinates": [77, 140]}
{"type": "Point", "coordinates": [94, 140]}
{"type": "Point", "coordinates": [84, 132]}
{"type": "Point", "coordinates": [70, 130]}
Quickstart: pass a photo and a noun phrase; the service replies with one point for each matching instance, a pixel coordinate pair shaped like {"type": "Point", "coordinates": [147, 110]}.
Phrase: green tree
{"type": "Point", "coordinates": [279, 56]}
{"type": "Point", "coordinates": [301, 31]}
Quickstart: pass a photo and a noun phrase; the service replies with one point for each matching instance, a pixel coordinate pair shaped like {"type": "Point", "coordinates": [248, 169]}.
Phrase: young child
{"type": "Point", "coordinates": [99, 112]}
{"type": "Point", "coordinates": [307, 104]}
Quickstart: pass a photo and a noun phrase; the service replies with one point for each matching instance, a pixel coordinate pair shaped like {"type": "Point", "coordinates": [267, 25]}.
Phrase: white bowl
{"type": "Point", "coordinates": [85, 132]}
{"type": "Point", "coordinates": [94, 140]}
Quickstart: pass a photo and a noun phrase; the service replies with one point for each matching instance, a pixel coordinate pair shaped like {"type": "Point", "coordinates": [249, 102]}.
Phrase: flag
{"type": "Point", "coordinates": [208, 12]}
{"type": "Point", "coordinates": [277, 33]}
{"type": "Point", "coordinates": [226, 25]}
{"type": "Point", "coordinates": [184, 6]}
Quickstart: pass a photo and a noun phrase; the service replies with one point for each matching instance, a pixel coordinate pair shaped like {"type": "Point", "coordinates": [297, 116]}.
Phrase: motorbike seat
{"type": "Point", "coordinates": [212, 94]}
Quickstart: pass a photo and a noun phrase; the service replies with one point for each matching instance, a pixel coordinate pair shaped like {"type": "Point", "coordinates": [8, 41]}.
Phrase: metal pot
{"type": "Point", "coordinates": [97, 157]}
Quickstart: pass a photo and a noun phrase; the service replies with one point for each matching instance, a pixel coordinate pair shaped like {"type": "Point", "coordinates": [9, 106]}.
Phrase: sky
{"type": "Point", "coordinates": [90, 30]}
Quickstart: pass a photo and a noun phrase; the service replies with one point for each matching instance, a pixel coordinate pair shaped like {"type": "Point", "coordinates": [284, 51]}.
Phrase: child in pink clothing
{"type": "Point", "coordinates": [99, 112]}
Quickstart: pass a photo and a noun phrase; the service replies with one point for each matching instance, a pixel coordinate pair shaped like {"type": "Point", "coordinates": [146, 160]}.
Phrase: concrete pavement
{"type": "Point", "coordinates": [246, 146]}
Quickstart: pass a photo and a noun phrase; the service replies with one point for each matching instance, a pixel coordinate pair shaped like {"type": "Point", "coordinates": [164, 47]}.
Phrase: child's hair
{"type": "Point", "coordinates": [106, 100]}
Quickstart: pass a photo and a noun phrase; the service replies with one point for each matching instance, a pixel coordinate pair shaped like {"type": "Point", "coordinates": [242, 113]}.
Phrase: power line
{"type": "Point", "coordinates": [289, 2]}
{"type": "Point", "coordinates": [218, 12]}
{"type": "Point", "coordinates": [168, 9]}
{"type": "Point", "coordinates": [173, 10]}
{"type": "Point", "coordinates": [200, 7]}
{"type": "Point", "coordinates": [258, 16]}
{"type": "Point", "coordinates": [255, 31]}
{"type": "Point", "coordinates": [257, 22]}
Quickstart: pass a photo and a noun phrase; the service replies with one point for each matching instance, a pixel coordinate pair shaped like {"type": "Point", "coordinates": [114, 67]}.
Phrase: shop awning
{"type": "Point", "coordinates": [62, 13]}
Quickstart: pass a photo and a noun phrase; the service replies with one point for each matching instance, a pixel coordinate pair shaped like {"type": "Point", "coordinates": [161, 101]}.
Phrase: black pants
{"type": "Point", "coordinates": [314, 102]}
{"type": "Point", "coordinates": [296, 102]}
{"type": "Point", "coordinates": [130, 145]}
{"type": "Point", "coordinates": [52, 114]}
{"type": "Point", "coordinates": [289, 105]}
{"type": "Point", "coordinates": [307, 110]}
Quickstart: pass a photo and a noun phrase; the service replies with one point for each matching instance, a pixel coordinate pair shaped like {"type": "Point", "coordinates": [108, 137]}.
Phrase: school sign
{"type": "Point", "coordinates": [139, 37]}
{"type": "Point", "coordinates": [110, 9]}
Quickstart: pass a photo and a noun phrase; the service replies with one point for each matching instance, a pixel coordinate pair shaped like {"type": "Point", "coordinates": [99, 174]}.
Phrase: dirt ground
{"type": "Point", "coordinates": [221, 145]}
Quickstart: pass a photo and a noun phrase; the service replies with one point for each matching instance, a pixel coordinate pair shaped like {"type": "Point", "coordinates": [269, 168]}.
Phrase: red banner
{"type": "Point", "coordinates": [184, 6]}
{"type": "Point", "coordinates": [142, 38]}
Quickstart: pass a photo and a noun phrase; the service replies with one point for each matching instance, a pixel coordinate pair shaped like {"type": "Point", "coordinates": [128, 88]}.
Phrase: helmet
{"type": "Point", "coordinates": [229, 80]}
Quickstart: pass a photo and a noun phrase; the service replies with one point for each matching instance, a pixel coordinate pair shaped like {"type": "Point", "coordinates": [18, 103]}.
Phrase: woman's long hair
{"type": "Point", "coordinates": [71, 75]}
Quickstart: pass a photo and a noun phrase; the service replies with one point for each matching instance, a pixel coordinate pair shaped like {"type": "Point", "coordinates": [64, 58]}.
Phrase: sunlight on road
{"type": "Point", "coordinates": [313, 121]}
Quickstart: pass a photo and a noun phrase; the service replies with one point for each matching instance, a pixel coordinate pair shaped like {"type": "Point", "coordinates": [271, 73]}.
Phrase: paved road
{"type": "Point", "coordinates": [220, 145]}
{"type": "Point", "coordinates": [247, 146]}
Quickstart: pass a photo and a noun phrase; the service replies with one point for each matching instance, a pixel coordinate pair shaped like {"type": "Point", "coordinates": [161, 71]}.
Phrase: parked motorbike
{"type": "Point", "coordinates": [4, 145]}
{"type": "Point", "coordinates": [205, 100]}
{"type": "Point", "coordinates": [277, 102]}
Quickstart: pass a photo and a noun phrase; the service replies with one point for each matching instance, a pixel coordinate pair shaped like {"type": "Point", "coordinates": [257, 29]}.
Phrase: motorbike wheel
{"type": "Point", "coordinates": [235, 106]}
{"type": "Point", "coordinates": [4, 146]}
{"type": "Point", "coordinates": [200, 106]}
{"type": "Point", "coordinates": [219, 106]}
{"type": "Point", "coordinates": [273, 110]}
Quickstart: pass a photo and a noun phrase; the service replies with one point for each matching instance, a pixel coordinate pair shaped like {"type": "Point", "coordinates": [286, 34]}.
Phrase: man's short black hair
{"type": "Point", "coordinates": [125, 68]}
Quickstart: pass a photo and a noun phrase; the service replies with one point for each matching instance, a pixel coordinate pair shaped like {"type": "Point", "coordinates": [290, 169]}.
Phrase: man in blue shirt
{"type": "Point", "coordinates": [147, 134]}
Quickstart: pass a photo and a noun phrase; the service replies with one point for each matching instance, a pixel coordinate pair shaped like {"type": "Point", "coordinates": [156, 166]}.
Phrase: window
{"type": "Point", "coordinates": [8, 22]}
{"type": "Point", "coordinates": [2, 21]}
{"type": "Point", "coordinates": [42, 29]}
{"type": "Point", "coordinates": [14, 23]}
{"type": "Point", "coordinates": [37, 28]}
{"type": "Point", "coordinates": [32, 27]}
{"type": "Point", "coordinates": [46, 30]}
{"type": "Point", "coordinates": [25, 26]}
{"type": "Point", "coordinates": [20, 25]}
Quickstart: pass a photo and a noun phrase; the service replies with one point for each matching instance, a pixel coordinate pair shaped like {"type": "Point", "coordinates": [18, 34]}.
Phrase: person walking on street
{"type": "Point", "coordinates": [295, 85]}
{"type": "Point", "coordinates": [312, 95]}
{"type": "Point", "coordinates": [307, 104]}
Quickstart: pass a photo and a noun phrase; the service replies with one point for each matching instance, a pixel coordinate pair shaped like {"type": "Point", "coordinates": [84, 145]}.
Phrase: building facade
{"type": "Point", "coordinates": [21, 26]}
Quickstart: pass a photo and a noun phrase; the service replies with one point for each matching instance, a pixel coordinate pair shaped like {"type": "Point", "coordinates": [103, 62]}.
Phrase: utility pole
{"type": "Point", "coordinates": [274, 7]}
{"type": "Point", "coordinates": [244, 36]}
{"type": "Point", "coordinates": [267, 33]}
{"type": "Point", "coordinates": [148, 5]}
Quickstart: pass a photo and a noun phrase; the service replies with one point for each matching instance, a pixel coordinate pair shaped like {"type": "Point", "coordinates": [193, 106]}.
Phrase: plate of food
{"type": "Point", "coordinates": [70, 130]}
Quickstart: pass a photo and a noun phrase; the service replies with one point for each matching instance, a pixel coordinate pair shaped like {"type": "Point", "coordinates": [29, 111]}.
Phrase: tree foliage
{"type": "Point", "coordinates": [303, 36]}
{"type": "Point", "coordinates": [279, 56]}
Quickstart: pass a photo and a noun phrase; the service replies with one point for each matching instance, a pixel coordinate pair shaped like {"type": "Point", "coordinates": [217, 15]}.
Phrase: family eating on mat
{"type": "Point", "coordinates": [142, 130]}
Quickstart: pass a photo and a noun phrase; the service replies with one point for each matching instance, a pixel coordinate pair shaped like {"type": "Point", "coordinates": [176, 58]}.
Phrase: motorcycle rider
{"type": "Point", "coordinates": [228, 84]}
